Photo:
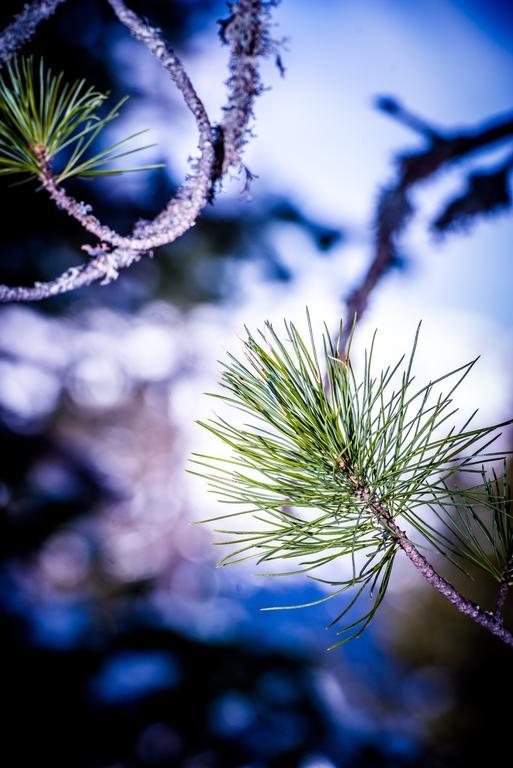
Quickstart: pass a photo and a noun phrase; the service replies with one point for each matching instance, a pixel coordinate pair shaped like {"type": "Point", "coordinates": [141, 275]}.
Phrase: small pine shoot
{"type": "Point", "coordinates": [330, 463]}
{"type": "Point", "coordinates": [41, 117]}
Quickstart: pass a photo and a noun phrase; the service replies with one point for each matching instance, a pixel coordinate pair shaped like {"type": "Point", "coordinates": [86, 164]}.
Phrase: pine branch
{"type": "Point", "coordinates": [247, 32]}
{"type": "Point", "coordinates": [335, 473]}
{"type": "Point", "coordinates": [182, 211]}
{"type": "Point", "coordinates": [40, 117]}
{"type": "Point", "coordinates": [490, 621]}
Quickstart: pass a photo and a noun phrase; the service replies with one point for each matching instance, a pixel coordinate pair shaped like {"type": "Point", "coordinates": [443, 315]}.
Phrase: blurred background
{"type": "Point", "coordinates": [123, 646]}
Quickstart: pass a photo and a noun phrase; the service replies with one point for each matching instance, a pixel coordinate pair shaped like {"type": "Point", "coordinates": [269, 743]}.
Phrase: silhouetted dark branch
{"type": "Point", "coordinates": [485, 193]}
{"type": "Point", "coordinates": [394, 207]}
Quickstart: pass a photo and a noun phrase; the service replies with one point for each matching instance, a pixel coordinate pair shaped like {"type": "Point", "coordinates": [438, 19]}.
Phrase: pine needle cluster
{"type": "Point", "coordinates": [43, 117]}
{"type": "Point", "coordinates": [331, 462]}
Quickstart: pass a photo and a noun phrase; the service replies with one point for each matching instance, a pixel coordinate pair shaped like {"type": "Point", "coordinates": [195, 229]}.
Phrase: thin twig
{"type": "Point", "coordinates": [501, 598]}
{"type": "Point", "coordinates": [490, 621]}
{"type": "Point", "coordinates": [503, 590]}
{"type": "Point", "coordinates": [467, 607]}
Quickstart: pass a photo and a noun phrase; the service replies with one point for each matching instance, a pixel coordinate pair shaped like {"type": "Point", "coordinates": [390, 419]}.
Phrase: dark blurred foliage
{"type": "Point", "coordinates": [98, 681]}
{"type": "Point", "coordinates": [92, 674]}
{"type": "Point", "coordinates": [32, 507]}
{"type": "Point", "coordinates": [448, 655]}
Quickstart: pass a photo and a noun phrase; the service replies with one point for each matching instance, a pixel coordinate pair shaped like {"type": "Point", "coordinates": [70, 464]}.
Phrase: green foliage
{"type": "Point", "coordinates": [325, 450]}
{"type": "Point", "coordinates": [41, 116]}
{"type": "Point", "coordinates": [480, 532]}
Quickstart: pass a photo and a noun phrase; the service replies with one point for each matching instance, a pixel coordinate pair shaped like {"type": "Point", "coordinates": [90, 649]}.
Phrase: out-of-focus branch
{"type": "Point", "coordinates": [247, 33]}
{"type": "Point", "coordinates": [23, 27]}
{"type": "Point", "coordinates": [503, 590]}
{"type": "Point", "coordinates": [501, 599]}
{"type": "Point", "coordinates": [394, 207]}
{"type": "Point", "coordinates": [486, 192]}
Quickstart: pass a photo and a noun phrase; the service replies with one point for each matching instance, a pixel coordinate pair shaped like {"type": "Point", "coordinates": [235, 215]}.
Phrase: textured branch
{"type": "Point", "coordinates": [24, 26]}
{"type": "Point", "coordinates": [247, 33]}
{"type": "Point", "coordinates": [104, 267]}
{"type": "Point", "coordinates": [182, 211]}
{"type": "Point", "coordinates": [394, 208]}
{"type": "Point", "coordinates": [502, 594]}
{"type": "Point", "coordinates": [503, 590]}
{"type": "Point", "coordinates": [490, 621]}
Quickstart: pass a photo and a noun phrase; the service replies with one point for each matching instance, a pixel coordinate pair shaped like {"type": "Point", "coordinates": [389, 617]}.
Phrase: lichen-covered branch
{"type": "Point", "coordinates": [503, 590]}
{"type": "Point", "coordinates": [24, 26]}
{"type": "Point", "coordinates": [182, 210]}
{"type": "Point", "coordinates": [502, 594]}
{"type": "Point", "coordinates": [104, 266]}
{"type": "Point", "coordinates": [247, 33]}
{"type": "Point", "coordinates": [490, 621]}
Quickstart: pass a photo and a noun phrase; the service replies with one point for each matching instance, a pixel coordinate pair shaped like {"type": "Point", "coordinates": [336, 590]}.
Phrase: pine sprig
{"type": "Point", "coordinates": [328, 472]}
{"type": "Point", "coordinates": [41, 116]}
{"type": "Point", "coordinates": [481, 534]}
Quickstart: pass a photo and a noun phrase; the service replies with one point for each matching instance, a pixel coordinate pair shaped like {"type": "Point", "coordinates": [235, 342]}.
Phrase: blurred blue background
{"type": "Point", "coordinates": [123, 646]}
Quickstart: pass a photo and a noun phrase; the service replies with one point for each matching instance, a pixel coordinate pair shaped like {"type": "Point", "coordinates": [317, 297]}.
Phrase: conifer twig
{"type": "Point", "coordinates": [490, 621]}
{"type": "Point", "coordinates": [501, 599]}
{"type": "Point", "coordinates": [247, 33]}
{"type": "Point", "coordinates": [339, 471]}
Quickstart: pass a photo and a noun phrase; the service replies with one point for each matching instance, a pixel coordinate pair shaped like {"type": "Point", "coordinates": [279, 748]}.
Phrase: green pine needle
{"type": "Point", "coordinates": [40, 114]}
{"type": "Point", "coordinates": [300, 465]}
